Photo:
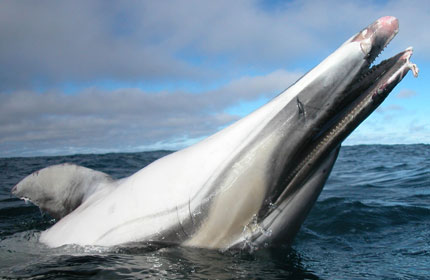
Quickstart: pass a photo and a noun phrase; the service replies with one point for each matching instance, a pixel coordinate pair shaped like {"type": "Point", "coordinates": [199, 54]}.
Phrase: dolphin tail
{"type": "Point", "coordinates": [60, 189]}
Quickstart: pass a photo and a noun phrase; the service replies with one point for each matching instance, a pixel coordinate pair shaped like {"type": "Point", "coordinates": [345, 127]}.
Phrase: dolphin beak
{"type": "Point", "coordinates": [375, 37]}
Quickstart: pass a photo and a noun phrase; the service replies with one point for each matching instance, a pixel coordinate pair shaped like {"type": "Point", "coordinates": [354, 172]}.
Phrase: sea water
{"type": "Point", "coordinates": [372, 221]}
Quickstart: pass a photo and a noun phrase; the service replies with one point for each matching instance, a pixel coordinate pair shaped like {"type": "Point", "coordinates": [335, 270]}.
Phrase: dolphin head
{"type": "Point", "coordinates": [319, 112]}
{"type": "Point", "coordinates": [286, 149]}
{"type": "Point", "coordinates": [326, 88]}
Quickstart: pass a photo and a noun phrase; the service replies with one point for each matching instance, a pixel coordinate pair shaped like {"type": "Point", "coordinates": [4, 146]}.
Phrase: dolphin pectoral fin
{"type": "Point", "coordinates": [60, 189]}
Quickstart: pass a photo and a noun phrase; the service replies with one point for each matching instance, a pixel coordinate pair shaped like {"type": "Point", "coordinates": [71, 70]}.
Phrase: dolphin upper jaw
{"type": "Point", "coordinates": [375, 37]}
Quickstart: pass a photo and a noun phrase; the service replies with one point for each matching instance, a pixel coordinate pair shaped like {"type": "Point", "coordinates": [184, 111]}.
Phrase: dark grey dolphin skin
{"type": "Point", "coordinates": [250, 185]}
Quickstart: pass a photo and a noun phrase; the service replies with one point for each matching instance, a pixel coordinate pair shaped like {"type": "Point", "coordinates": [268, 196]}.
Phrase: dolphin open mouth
{"type": "Point", "coordinates": [360, 98]}
{"type": "Point", "coordinates": [375, 85]}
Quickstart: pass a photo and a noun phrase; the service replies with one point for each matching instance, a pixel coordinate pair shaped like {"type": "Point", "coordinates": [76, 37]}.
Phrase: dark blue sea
{"type": "Point", "coordinates": [372, 221]}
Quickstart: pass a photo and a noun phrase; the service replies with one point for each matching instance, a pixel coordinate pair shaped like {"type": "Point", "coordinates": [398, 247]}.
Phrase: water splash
{"type": "Point", "coordinates": [252, 228]}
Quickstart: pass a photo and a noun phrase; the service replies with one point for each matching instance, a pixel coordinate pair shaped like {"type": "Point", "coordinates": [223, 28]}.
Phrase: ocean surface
{"type": "Point", "coordinates": [372, 221]}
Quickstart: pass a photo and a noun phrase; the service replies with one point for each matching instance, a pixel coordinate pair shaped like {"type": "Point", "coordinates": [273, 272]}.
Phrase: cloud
{"type": "Point", "coordinates": [417, 127]}
{"type": "Point", "coordinates": [390, 129]}
{"type": "Point", "coordinates": [390, 109]}
{"type": "Point", "coordinates": [55, 42]}
{"type": "Point", "coordinates": [406, 93]}
{"type": "Point", "coordinates": [124, 119]}
{"type": "Point", "coordinates": [228, 51]}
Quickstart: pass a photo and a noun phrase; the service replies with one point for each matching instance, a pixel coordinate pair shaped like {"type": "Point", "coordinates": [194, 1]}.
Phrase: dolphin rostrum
{"type": "Point", "coordinates": [251, 184]}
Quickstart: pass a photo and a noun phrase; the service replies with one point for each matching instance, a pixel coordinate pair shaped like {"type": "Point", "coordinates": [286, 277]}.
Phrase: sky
{"type": "Point", "coordinates": [127, 76]}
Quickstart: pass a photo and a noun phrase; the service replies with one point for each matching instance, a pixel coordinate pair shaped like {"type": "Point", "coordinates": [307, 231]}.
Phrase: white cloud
{"type": "Point", "coordinates": [390, 129]}
{"type": "Point", "coordinates": [406, 93]}
{"type": "Point", "coordinates": [389, 109]}
{"type": "Point", "coordinates": [50, 44]}
{"type": "Point", "coordinates": [124, 118]}
{"type": "Point", "coordinates": [53, 42]}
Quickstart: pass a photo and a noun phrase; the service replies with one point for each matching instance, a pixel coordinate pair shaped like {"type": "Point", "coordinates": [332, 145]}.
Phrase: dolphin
{"type": "Point", "coordinates": [249, 185]}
